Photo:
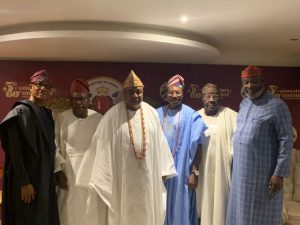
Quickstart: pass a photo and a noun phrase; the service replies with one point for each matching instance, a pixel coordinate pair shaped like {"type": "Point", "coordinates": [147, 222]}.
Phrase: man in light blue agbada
{"type": "Point", "coordinates": [183, 128]}
{"type": "Point", "coordinates": [262, 148]}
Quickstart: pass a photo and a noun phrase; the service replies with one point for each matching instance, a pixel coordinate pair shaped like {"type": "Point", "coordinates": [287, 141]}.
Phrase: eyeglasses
{"type": "Point", "coordinates": [41, 85]}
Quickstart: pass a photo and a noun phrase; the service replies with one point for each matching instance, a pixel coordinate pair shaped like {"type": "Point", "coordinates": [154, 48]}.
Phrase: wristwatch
{"type": "Point", "coordinates": [196, 173]}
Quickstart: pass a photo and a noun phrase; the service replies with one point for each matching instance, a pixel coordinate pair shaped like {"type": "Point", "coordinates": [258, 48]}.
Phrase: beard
{"type": "Point", "coordinates": [256, 95]}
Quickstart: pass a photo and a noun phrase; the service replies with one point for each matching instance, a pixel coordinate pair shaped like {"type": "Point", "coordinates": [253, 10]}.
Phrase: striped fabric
{"type": "Point", "coordinates": [176, 80]}
{"type": "Point", "coordinates": [39, 77]}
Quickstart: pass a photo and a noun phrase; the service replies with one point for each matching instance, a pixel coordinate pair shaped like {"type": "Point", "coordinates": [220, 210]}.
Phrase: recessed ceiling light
{"type": "Point", "coordinates": [183, 19]}
{"type": "Point", "coordinates": [294, 39]}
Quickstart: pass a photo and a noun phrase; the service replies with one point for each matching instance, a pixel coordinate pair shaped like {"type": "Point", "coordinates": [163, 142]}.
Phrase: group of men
{"type": "Point", "coordinates": [140, 166]}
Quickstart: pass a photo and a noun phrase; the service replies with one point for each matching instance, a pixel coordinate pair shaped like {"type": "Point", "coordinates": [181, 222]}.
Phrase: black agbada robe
{"type": "Point", "coordinates": [27, 137]}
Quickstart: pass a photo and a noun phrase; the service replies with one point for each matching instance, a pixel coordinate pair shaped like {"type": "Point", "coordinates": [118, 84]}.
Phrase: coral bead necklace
{"type": "Point", "coordinates": [139, 155]}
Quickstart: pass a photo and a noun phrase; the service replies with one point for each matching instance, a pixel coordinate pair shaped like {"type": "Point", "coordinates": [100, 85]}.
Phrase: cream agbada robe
{"type": "Point", "coordinates": [73, 136]}
{"type": "Point", "coordinates": [215, 165]}
{"type": "Point", "coordinates": [131, 190]}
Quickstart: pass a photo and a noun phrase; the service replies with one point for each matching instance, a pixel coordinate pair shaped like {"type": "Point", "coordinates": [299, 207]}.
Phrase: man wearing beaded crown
{"type": "Point", "coordinates": [74, 129]}
{"type": "Point", "coordinates": [131, 156]}
{"type": "Point", "coordinates": [183, 128]}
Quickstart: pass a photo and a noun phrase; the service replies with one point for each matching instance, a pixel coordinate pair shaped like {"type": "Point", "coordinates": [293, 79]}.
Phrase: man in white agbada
{"type": "Point", "coordinates": [131, 159]}
{"type": "Point", "coordinates": [74, 131]}
{"type": "Point", "coordinates": [215, 165]}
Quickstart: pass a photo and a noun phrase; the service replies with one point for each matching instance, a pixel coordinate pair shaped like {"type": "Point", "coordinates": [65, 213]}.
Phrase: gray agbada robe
{"type": "Point", "coordinates": [132, 190]}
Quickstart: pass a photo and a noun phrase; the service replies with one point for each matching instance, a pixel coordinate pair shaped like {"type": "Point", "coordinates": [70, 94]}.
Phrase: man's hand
{"type": "Point", "coordinates": [27, 193]}
{"type": "Point", "coordinates": [61, 180]}
{"type": "Point", "coordinates": [193, 181]}
{"type": "Point", "coordinates": [275, 184]}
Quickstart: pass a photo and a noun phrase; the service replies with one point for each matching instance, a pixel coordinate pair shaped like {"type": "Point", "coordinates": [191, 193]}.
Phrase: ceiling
{"type": "Point", "coordinates": [235, 32]}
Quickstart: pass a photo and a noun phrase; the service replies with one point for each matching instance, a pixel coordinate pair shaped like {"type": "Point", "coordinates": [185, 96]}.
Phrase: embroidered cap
{"type": "Point", "coordinates": [79, 85]}
{"type": "Point", "coordinates": [132, 80]}
{"type": "Point", "coordinates": [40, 77]}
{"type": "Point", "coordinates": [176, 80]}
{"type": "Point", "coordinates": [251, 71]}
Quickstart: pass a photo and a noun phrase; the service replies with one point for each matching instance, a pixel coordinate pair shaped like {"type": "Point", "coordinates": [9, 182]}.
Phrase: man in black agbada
{"type": "Point", "coordinates": [27, 137]}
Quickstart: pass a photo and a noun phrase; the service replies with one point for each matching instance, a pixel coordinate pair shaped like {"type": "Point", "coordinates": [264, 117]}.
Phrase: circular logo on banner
{"type": "Point", "coordinates": [106, 92]}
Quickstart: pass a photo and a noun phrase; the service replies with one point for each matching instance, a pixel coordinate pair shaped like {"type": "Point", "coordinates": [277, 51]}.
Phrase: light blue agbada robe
{"type": "Point", "coordinates": [262, 147]}
{"type": "Point", "coordinates": [181, 203]}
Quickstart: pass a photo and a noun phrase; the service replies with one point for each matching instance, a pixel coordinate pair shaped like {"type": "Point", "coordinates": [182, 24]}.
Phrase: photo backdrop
{"type": "Point", "coordinates": [106, 78]}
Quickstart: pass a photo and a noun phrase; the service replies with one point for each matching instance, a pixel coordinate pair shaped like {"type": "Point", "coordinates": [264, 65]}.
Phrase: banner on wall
{"type": "Point", "coordinates": [284, 94]}
{"type": "Point", "coordinates": [106, 87]}
{"type": "Point", "coordinates": [11, 89]}
{"type": "Point", "coordinates": [194, 91]}
{"type": "Point", "coordinates": [14, 91]}
{"type": "Point", "coordinates": [105, 92]}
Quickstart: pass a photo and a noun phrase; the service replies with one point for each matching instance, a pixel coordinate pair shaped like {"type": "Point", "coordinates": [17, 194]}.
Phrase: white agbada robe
{"type": "Point", "coordinates": [132, 190]}
{"type": "Point", "coordinates": [215, 166]}
{"type": "Point", "coordinates": [73, 136]}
